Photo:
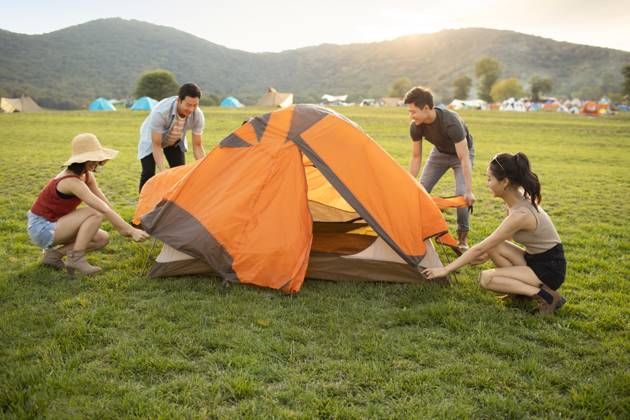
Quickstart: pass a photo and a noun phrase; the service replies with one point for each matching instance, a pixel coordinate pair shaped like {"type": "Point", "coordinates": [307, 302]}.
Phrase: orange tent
{"type": "Point", "coordinates": [590, 108]}
{"type": "Point", "coordinates": [296, 190]}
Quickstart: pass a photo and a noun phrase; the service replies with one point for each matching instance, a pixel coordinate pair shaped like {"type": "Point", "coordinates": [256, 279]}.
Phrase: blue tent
{"type": "Point", "coordinates": [144, 104]}
{"type": "Point", "coordinates": [231, 102]}
{"type": "Point", "coordinates": [101, 104]}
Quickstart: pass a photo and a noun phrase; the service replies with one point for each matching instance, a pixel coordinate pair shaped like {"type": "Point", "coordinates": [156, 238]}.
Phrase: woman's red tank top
{"type": "Point", "coordinates": [50, 205]}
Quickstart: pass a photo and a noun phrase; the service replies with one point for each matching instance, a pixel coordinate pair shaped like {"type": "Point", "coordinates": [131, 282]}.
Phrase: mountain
{"type": "Point", "coordinates": [69, 67]}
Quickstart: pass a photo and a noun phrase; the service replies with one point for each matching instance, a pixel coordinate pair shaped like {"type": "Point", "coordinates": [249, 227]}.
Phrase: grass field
{"type": "Point", "coordinates": [122, 345]}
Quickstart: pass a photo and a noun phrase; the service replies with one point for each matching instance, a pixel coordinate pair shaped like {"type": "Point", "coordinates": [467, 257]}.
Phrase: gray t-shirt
{"type": "Point", "coordinates": [446, 130]}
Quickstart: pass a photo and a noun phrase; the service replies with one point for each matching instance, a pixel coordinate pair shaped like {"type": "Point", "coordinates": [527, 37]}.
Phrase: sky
{"type": "Point", "coordinates": [277, 25]}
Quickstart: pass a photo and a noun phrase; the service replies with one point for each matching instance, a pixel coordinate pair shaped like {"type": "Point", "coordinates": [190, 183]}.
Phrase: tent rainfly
{"type": "Point", "coordinates": [286, 196]}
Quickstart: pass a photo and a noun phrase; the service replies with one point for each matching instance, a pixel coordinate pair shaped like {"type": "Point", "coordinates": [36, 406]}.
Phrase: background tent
{"type": "Point", "coordinates": [230, 102]}
{"type": "Point", "coordinates": [287, 195]}
{"type": "Point", "coordinates": [101, 104]}
{"type": "Point", "coordinates": [144, 104]}
{"type": "Point", "coordinates": [274, 98]}
{"type": "Point", "coordinates": [7, 105]}
{"type": "Point", "coordinates": [331, 100]}
{"type": "Point", "coordinates": [119, 103]}
{"type": "Point", "coordinates": [22, 104]}
{"type": "Point", "coordinates": [590, 108]}
{"type": "Point", "coordinates": [390, 101]}
{"type": "Point", "coordinates": [458, 104]}
{"type": "Point", "coordinates": [513, 105]}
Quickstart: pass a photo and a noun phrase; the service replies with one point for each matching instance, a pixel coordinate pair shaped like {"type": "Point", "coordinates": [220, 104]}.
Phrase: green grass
{"type": "Point", "coordinates": [121, 345]}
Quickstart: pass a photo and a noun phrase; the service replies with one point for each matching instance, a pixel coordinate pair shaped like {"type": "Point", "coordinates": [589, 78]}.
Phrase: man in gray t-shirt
{"type": "Point", "coordinates": [452, 149]}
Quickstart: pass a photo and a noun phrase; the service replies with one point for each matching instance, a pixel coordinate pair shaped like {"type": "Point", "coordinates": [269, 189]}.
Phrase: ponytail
{"type": "Point", "coordinates": [517, 169]}
{"type": "Point", "coordinates": [527, 179]}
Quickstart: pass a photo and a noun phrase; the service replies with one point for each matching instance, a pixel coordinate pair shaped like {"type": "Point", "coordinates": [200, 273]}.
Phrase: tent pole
{"type": "Point", "coordinates": [146, 262]}
{"type": "Point", "coordinates": [448, 260]}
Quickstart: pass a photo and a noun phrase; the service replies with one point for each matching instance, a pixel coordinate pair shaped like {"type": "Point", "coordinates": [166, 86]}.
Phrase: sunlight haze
{"type": "Point", "coordinates": [274, 25]}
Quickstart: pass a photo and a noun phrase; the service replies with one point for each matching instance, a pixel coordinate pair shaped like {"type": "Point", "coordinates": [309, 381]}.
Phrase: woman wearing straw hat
{"type": "Point", "coordinates": [56, 225]}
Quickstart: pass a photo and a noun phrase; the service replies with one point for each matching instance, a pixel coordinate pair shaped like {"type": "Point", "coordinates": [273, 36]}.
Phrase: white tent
{"type": "Point", "coordinates": [513, 105]}
{"type": "Point", "coordinates": [390, 101]}
{"type": "Point", "coordinates": [331, 98]}
{"type": "Point", "coordinates": [22, 104]}
{"type": "Point", "coordinates": [7, 105]}
{"type": "Point", "coordinates": [275, 98]}
{"type": "Point", "coordinates": [468, 104]}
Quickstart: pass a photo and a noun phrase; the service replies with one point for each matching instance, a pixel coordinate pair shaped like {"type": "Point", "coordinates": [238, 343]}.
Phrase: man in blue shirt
{"type": "Point", "coordinates": [163, 132]}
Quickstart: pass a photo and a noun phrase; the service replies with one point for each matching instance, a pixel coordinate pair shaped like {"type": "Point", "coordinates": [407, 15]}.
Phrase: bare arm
{"type": "Point", "coordinates": [510, 225]}
{"type": "Point", "coordinates": [480, 260]}
{"type": "Point", "coordinates": [198, 150]}
{"type": "Point", "coordinates": [80, 189]}
{"type": "Point", "coordinates": [416, 159]}
{"type": "Point", "coordinates": [156, 148]}
{"type": "Point", "coordinates": [93, 186]}
{"type": "Point", "coordinates": [463, 154]}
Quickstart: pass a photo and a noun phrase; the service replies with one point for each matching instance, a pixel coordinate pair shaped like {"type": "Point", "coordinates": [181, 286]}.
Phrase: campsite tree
{"type": "Point", "coordinates": [210, 99]}
{"type": "Point", "coordinates": [507, 88]}
{"type": "Point", "coordinates": [626, 79]}
{"type": "Point", "coordinates": [157, 84]}
{"type": "Point", "coordinates": [462, 87]}
{"type": "Point", "coordinates": [400, 87]}
{"type": "Point", "coordinates": [609, 84]}
{"type": "Point", "coordinates": [589, 92]}
{"type": "Point", "coordinates": [539, 86]}
{"type": "Point", "coordinates": [487, 71]}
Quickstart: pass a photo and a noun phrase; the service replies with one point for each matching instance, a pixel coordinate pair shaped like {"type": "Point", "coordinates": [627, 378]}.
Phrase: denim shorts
{"type": "Point", "coordinates": [41, 230]}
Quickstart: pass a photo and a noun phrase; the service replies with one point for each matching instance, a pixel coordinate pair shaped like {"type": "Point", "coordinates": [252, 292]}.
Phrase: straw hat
{"type": "Point", "coordinates": [86, 147]}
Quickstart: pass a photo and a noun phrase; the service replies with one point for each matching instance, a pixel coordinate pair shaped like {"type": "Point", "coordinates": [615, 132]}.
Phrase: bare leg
{"type": "Point", "coordinates": [80, 227]}
{"type": "Point", "coordinates": [79, 231]}
{"type": "Point", "coordinates": [519, 280]}
{"type": "Point", "coordinates": [507, 254]}
{"type": "Point", "coordinates": [99, 241]}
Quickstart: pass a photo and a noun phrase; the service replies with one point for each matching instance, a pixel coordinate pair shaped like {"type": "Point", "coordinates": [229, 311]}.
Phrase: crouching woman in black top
{"type": "Point", "coordinates": [540, 268]}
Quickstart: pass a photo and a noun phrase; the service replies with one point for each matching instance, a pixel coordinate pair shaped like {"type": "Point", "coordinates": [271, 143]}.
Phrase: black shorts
{"type": "Point", "coordinates": [549, 266]}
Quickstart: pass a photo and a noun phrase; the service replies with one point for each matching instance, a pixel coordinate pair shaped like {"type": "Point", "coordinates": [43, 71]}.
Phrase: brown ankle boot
{"type": "Point", "coordinates": [462, 240]}
{"type": "Point", "coordinates": [76, 261]}
{"type": "Point", "coordinates": [558, 301]}
{"type": "Point", "coordinates": [52, 258]}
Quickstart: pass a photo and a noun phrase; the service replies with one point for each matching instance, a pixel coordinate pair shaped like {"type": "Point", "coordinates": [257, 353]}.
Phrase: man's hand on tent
{"type": "Point", "coordinates": [470, 199]}
{"type": "Point", "coordinates": [434, 273]}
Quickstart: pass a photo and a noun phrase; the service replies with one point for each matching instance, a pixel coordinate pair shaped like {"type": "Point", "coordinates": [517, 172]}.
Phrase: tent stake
{"type": "Point", "coordinates": [448, 260]}
{"type": "Point", "coordinates": [146, 262]}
